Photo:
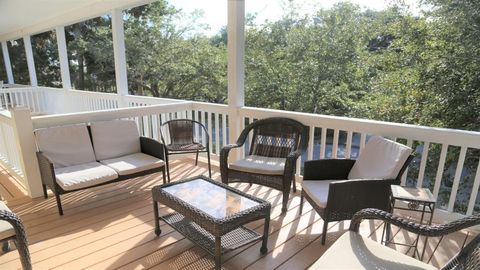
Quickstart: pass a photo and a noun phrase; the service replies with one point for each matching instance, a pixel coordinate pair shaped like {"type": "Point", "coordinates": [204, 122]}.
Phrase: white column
{"type": "Point", "coordinates": [30, 62]}
{"type": "Point", "coordinates": [25, 142]}
{"type": "Point", "coordinates": [8, 64]}
{"type": "Point", "coordinates": [119, 52]}
{"type": "Point", "coordinates": [236, 67]}
{"type": "Point", "coordinates": [63, 57]}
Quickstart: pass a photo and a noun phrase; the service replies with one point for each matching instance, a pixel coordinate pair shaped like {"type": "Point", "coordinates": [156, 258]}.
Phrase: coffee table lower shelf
{"type": "Point", "coordinates": [232, 240]}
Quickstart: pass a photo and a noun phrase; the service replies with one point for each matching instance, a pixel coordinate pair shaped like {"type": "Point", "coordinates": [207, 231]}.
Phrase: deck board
{"type": "Point", "coordinates": [111, 227]}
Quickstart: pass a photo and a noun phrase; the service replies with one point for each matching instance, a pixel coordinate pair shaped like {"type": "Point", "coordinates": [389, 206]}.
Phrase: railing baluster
{"type": "Point", "coordinates": [440, 168]}
{"type": "Point", "coordinates": [217, 135]}
{"type": "Point", "coordinates": [242, 127]}
{"type": "Point", "coordinates": [204, 136]}
{"type": "Point", "coordinates": [335, 143]}
{"type": "Point", "coordinates": [348, 146]}
{"type": "Point", "coordinates": [473, 195]}
{"type": "Point", "coordinates": [224, 129]}
{"type": "Point", "coordinates": [363, 139]}
{"type": "Point", "coordinates": [210, 130]}
{"type": "Point", "coordinates": [198, 137]}
{"type": "Point", "coordinates": [310, 143]}
{"type": "Point", "coordinates": [423, 164]}
{"type": "Point", "coordinates": [404, 176]}
{"type": "Point", "coordinates": [456, 180]}
{"type": "Point", "coordinates": [250, 134]}
{"type": "Point", "coordinates": [323, 142]}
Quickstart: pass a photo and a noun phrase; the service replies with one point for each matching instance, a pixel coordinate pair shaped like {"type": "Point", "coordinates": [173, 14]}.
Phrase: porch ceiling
{"type": "Point", "coordinates": [25, 17]}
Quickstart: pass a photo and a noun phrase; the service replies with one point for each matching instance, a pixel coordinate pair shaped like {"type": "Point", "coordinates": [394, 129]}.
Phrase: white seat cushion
{"type": "Point", "coordinates": [84, 175]}
{"type": "Point", "coordinates": [66, 145]}
{"type": "Point", "coordinates": [380, 159]}
{"type": "Point", "coordinates": [133, 163]}
{"type": "Point", "coordinates": [260, 165]}
{"type": "Point", "coordinates": [352, 251]}
{"type": "Point", "coordinates": [112, 139]}
{"type": "Point", "coordinates": [6, 230]}
{"type": "Point", "coordinates": [317, 191]}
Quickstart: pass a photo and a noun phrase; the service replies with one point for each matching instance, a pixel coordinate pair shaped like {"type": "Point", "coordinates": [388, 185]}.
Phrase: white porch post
{"type": "Point", "coordinates": [119, 52]}
{"type": "Point", "coordinates": [30, 62]}
{"type": "Point", "coordinates": [8, 64]}
{"type": "Point", "coordinates": [25, 143]}
{"type": "Point", "coordinates": [236, 67]}
{"type": "Point", "coordinates": [63, 57]}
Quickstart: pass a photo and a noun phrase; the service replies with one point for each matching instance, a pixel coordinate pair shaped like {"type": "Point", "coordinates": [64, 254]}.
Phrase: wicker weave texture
{"type": "Point", "coordinates": [468, 258]}
{"type": "Point", "coordinates": [20, 237]}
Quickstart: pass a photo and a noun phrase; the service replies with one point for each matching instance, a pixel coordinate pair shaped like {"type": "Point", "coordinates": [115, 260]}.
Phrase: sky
{"type": "Point", "coordinates": [215, 11]}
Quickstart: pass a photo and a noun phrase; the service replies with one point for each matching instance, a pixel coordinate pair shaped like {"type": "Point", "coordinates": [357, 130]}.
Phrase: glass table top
{"type": "Point", "coordinates": [412, 193]}
{"type": "Point", "coordinates": [210, 198]}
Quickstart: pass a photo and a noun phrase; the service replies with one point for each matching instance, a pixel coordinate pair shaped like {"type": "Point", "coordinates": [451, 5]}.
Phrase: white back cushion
{"type": "Point", "coordinates": [112, 139]}
{"type": "Point", "coordinates": [381, 158]}
{"type": "Point", "coordinates": [66, 145]}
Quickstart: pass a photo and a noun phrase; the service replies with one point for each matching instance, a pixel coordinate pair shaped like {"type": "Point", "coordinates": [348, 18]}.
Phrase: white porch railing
{"type": "Point", "coordinates": [9, 153]}
{"type": "Point", "coordinates": [330, 136]}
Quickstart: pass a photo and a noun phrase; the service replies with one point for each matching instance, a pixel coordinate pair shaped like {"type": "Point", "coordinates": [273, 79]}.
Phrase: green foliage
{"type": "Point", "coordinates": [347, 61]}
{"type": "Point", "coordinates": [18, 61]}
{"type": "Point", "coordinates": [45, 55]}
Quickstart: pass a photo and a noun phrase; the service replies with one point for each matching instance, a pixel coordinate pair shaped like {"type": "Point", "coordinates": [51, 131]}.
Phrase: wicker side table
{"type": "Point", "coordinates": [211, 214]}
{"type": "Point", "coordinates": [417, 200]}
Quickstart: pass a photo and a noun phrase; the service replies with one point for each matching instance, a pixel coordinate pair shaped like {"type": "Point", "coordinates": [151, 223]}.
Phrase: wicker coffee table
{"type": "Point", "coordinates": [211, 214]}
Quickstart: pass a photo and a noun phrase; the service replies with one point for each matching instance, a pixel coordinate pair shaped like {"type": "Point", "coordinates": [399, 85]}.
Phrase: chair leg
{"type": "Point", "coordinates": [6, 246]}
{"type": "Point", "coordinates": [301, 204]}
{"type": "Point", "coordinates": [285, 201]}
{"type": "Point", "coordinates": [196, 159]}
{"type": "Point", "coordinates": [45, 195]}
{"type": "Point", "coordinates": [294, 185]}
{"type": "Point", "coordinates": [168, 170]}
{"type": "Point", "coordinates": [209, 167]}
{"type": "Point", "coordinates": [59, 204]}
{"type": "Point", "coordinates": [164, 177]}
{"type": "Point", "coordinates": [324, 234]}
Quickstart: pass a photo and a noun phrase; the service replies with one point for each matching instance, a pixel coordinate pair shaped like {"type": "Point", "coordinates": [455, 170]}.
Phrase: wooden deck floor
{"type": "Point", "coordinates": [111, 227]}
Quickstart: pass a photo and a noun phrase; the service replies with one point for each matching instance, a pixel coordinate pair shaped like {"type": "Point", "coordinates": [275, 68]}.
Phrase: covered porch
{"type": "Point", "coordinates": [112, 226]}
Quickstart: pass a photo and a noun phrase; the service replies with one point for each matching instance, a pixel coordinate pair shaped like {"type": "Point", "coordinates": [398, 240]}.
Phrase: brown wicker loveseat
{"type": "Point", "coordinates": [77, 157]}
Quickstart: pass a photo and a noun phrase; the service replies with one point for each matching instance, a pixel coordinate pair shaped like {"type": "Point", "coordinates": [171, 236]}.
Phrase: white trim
{"type": "Point", "coordinates": [70, 17]}
{"type": "Point", "coordinates": [119, 52]}
{"type": "Point", "coordinates": [63, 57]}
{"type": "Point", "coordinates": [8, 64]}
{"type": "Point", "coordinates": [30, 61]}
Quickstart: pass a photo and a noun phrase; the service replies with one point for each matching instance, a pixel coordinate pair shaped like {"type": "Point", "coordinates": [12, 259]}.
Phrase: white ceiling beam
{"type": "Point", "coordinates": [8, 64]}
{"type": "Point", "coordinates": [119, 52]}
{"type": "Point", "coordinates": [65, 18]}
{"type": "Point", "coordinates": [63, 57]}
{"type": "Point", "coordinates": [30, 61]}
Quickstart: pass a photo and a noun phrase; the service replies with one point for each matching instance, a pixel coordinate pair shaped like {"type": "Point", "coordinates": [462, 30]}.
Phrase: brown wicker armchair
{"type": "Point", "coordinates": [352, 251]}
{"type": "Point", "coordinates": [11, 228]}
{"type": "Point", "coordinates": [178, 136]}
{"type": "Point", "coordinates": [275, 147]}
{"type": "Point", "coordinates": [335, 195]}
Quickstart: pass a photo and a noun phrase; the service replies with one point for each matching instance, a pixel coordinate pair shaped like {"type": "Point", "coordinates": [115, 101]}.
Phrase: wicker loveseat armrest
{"type": "Point", "coordinates": [421, 229]}
{"type": "Point", "coordinates": [152, 147]}
{"type": "Point", "coordinates": [47, 171]}
{"type": "Point", "coordinates": [20, 236]}
{"type": "Point", "coordinates": [327, 169]}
